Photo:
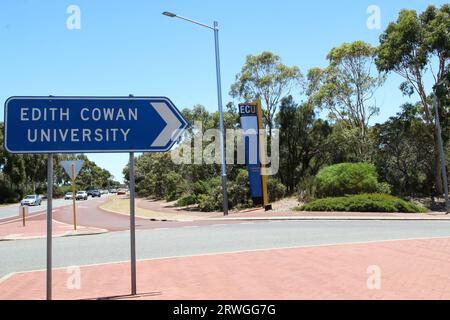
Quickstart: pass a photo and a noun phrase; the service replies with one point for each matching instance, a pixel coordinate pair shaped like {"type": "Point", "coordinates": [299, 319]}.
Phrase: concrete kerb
{"type": "Point", "coordinates": [65, 234]}
{"type": "Point", "coordinates": [303, 218]}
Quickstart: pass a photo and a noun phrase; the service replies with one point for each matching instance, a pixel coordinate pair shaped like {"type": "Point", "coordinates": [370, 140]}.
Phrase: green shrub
{"type": "Point", "coordinates": [173, 185]}
{"type": "Point", "coordinates": [187, 200]}
{"type": "Point", "coordinates": [384, 187]}
{"type": "Point", "coordinates": [9, 196]}
{"type": "Point", "coordinates": [346, 178]}
{"type": "Point", "coordinates": [306, 189]}
{"type": "Point", "coordinates": [275, 189]}
{"type": "Point", "coordinates": [239, 190]}
{"type": "Point", "coordinates": [209, 202]}
{"type": "Point", "coordinates": [60, 191]}
{"type": "Point", "coordinates": [374, 202]}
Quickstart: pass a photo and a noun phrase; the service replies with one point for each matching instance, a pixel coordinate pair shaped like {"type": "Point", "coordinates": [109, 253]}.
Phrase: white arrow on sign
{"type": "Point", "coordinates": [172, 124]}
{"type": "Point", "coordinates": [67, 165]}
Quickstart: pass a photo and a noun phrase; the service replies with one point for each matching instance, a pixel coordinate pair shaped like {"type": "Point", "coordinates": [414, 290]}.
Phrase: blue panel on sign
{"type": "Point", "coordinates": [254, 174]}
{"type": "Point", "coordinates": [91, 124]}
{"type": "Point", "coordinates": [253, 167]}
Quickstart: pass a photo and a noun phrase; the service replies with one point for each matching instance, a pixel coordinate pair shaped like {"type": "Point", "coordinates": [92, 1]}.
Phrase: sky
{"type": "Point", "coordinates": [129, 47]}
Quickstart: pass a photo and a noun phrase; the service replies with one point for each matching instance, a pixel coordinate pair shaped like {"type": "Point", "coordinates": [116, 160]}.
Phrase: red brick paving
{"type": "Point", "coordinates": [36, 227]}
{"type": "Point", "coordinates": [410, 269]}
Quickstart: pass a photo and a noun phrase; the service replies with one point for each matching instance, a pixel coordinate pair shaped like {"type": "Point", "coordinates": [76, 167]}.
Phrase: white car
{"type": "Point", "coordinates": [68, 196]}
{"type": "Point", "coordinates": [81, 195]}
{"type": "Point", "coordinates": [31, 200]}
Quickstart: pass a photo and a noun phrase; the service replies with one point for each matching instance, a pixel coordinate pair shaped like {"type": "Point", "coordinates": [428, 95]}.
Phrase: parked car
{"type": "Point", "coordinates": [31, 200]}
{"type": "Point", "coordinates": [122, 191]}
{"type": "Point", "coordinates": [81, 195]}
{"type": "Point", "coordinates": [68, 196]}
{"type": "Point", "coordinates": [95, 193]}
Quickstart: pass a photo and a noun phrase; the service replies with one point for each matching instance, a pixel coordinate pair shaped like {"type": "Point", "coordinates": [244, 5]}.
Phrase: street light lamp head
{"type": "Point", "coordinates": [169, 14]}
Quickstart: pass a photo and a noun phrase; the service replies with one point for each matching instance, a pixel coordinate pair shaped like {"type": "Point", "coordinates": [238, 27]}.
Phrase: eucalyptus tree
{"type": "Point", "coordinates": [346, 88]}
{"type": "Point", "coordinates": [265, 77]}
{"type": "Point", "coordinates": [417, 47]}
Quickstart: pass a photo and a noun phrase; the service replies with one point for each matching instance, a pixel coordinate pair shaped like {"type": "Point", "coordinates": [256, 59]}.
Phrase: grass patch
{"type": "Point", "coordinates": [368, 202]}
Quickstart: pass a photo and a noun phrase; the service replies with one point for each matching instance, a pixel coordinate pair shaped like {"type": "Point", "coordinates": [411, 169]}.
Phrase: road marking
{"type": "Point", "coordinates": [219, 225]}
{"type": "Point", "coordinates": [157, 229]}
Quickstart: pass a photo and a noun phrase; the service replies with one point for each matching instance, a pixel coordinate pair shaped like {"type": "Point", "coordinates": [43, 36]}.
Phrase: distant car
{"type": "Point", "coordinates": [94, 193]}
{"type": "Point", "coordinates": [122, 191]}
{"type": "Point", "coordinates": [68, 196]}
{"type": "Point", "coordinates": [113, 191]}
{"type": "Point", "coordinates": [81, 195]}
{"type": "Point", "coordinates": [31, 200]}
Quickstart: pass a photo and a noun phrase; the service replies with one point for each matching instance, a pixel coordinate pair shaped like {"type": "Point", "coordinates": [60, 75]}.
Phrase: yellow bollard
{"type": "Point", "coordinates": [23, 216]}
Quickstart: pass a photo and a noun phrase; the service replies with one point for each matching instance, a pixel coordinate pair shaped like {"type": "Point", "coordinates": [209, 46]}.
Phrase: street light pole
{"type": "Point", "coordinates": [219, 99]}
{"type": "Point", "coordinates": [215, 28]}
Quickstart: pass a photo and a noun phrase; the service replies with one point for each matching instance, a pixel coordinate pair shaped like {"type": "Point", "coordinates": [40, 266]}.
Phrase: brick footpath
{"type": "Point", "coordinates": [410, 269]}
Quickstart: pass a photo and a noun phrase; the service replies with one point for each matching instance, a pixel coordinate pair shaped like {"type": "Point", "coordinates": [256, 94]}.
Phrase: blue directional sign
{"type": "Point", "coordinates": [91, 124]}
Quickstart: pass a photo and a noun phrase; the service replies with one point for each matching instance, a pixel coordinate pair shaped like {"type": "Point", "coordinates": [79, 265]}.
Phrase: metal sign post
{"type": "Point", "coordinates": [73, 198]}
{"type": "Point", "coordinates": [132, 226]}
{"type": "Point", "coordinates": [49, 224]}
{"type": "Point", "coordinates": [72, 168]}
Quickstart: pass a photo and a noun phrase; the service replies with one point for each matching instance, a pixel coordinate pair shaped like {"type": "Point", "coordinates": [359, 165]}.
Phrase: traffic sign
{"type": "Point", "coordinates": [91, 124]}
{"type": "Point", "coordinates": [67, 165]}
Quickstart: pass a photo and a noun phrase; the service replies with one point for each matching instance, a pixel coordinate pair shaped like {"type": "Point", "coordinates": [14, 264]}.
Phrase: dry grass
{"type": "Point", "coordinates": [121, 205]}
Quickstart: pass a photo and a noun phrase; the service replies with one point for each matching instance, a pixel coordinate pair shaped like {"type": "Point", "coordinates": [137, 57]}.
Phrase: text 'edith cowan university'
{"type": "Point", "coordinates": [75, 135]}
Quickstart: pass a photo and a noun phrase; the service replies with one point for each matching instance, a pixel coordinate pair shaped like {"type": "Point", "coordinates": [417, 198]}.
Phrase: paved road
{"type": "Point", "coordinates": [13, 210]}
{"type": "Point", "coordinates": [155, 243]}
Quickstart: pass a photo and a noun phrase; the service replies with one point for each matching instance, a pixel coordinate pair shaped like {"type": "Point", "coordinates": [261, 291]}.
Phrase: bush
{"type": "Point", "coordinates": [239, 190]}
{"type": "Point", "coordinates": [346, 178]}
{"type": "Point", "coordinates": [375, 202]}
{"type": "Point", "coordinates": [384, 187]}
{"type": "Point", "coordinates": [9, 196]}
{"type": "Point", "coordinates": [173, 185]}
{"type": "Point", "coordinates": [306, 189]}
{"type": "Point", "coordinates": [275, 189]}
{"type": "Point", "coordinates": [60, 191]}
{"type": "Point", "coordinates": [186, 200]}
{"type": "Point", "coordinates": [209, 202]}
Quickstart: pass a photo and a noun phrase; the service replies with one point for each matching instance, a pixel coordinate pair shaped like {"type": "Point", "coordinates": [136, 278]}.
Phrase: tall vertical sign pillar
{"type": "Point", "coordinates": [254, 138]}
